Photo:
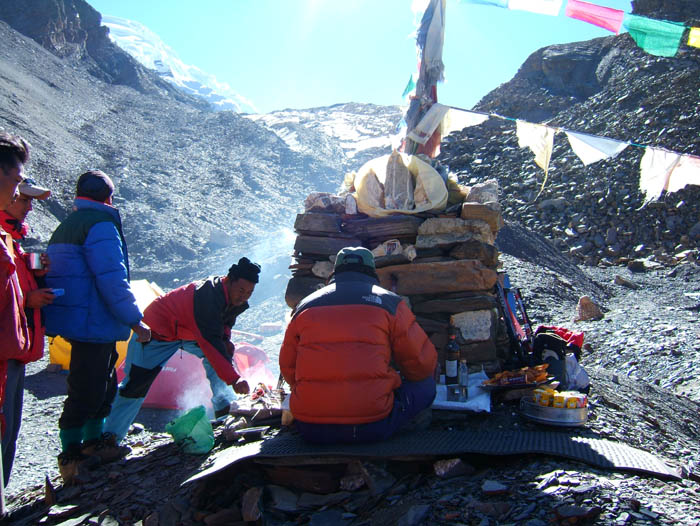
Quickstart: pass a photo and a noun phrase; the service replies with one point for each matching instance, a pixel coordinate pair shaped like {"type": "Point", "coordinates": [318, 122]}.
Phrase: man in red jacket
{"type": "Point", "coordinates": [340, 352]}
{"type": "Point", "coordinates": [198, 319]}
{"type": "Point", "coordinates": [14, 332]}
{"type": "Point", "coordinates": [12, 222]}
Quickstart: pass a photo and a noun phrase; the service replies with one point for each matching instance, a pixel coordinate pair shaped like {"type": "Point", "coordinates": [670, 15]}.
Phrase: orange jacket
{"type": "Point", "coordinates": [341, 347]}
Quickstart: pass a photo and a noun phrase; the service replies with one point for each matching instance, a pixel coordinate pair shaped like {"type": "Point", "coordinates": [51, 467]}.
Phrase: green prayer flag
{"type": "Point", "coordinates": [409, 87]}
{"type": "Point", "coordinates": [656, 37]}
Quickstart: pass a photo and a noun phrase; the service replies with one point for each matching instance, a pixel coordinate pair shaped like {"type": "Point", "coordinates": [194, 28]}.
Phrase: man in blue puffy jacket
{"type": "Point", "coordinates": [89, 261]}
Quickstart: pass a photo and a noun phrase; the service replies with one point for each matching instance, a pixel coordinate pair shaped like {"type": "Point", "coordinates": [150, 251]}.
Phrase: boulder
{"type": "Point", "coordinates": [434, 278]}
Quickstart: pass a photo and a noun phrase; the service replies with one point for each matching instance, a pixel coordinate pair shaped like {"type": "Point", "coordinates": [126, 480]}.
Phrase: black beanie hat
{"type": "Point", "coordinates": [95, 185]}
{"type": "Point", "coordinates": [245, 270]}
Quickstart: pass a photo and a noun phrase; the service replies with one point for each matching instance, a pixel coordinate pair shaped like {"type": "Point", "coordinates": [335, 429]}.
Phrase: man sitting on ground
{"type": "Point", "coordinates": [198, 319]}
{"type": "Point", "coordinates": [339, 354]}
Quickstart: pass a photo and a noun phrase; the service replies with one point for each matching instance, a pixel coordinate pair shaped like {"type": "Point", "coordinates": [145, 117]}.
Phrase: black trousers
{"type": "Point", "coordinates": [92, 383]}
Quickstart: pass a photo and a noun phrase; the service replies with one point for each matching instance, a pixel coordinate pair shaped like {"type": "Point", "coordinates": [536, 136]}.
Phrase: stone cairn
{"type": "Point", "coordinates": [443, 264]}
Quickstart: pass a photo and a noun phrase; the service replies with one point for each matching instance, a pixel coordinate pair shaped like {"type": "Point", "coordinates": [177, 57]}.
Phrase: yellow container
{"type": "Point", "coordinates": [543, 396]}
{"type": "Point", "coordinates": [559, 400]}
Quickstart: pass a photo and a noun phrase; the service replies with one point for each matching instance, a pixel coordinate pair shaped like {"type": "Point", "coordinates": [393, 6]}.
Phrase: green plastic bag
{"type": "Point", "coordinates": [193, 431]}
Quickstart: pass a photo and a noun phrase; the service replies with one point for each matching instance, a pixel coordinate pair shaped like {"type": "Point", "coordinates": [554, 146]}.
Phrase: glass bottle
{"type": "Point", "coordinates": [452, 359]}
{"type": "Point", "coordinates": [463, 374]}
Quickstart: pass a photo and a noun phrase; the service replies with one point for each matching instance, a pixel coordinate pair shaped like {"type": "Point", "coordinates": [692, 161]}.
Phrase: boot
{"type": "Point", "coordinates": [105, 448]}
{"type": "Point", "coordinates": [71, 464]}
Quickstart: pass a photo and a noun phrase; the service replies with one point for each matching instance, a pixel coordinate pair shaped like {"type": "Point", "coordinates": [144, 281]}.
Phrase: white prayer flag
{"type": "Point", "coordinates": [591, 149]}
{"type": "Point", "coordinates": [655, 170]}
{"type": "Point", "coordinates": [427, 125]}
{"type": "Point", "coordinates": [457, 120]}
{"type": "Point", "coordinates": [539, 138]}
{"type": "Point", "coordinates": [686, 172]}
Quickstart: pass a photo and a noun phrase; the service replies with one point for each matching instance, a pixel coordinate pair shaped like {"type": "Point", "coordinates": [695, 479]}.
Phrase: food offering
{"type": "Point", "coordinates": [548, 397]}
{"type": "Point", "coordinates": [518, 378]}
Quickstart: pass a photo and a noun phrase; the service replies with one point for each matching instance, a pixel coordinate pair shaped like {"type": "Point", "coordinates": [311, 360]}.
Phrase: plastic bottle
{"type": "Point", "coordinates": [452, 360]}
{"type": "Point", "coordinates": [463, 374]}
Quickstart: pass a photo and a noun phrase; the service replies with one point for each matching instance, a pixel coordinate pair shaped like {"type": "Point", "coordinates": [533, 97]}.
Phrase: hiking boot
{"type": "Point", "coordinates": [71, 465]}
{"type": "Point", "coordinates": [105, 448]}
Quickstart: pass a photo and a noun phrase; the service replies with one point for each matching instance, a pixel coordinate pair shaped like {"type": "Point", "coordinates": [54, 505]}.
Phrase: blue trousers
{"type": "Point", "coordinates": [142, 365]}
{"type": "Point", "coordinates": [409, 399]}
{"type": "Point", "coordinates": [12, 411]}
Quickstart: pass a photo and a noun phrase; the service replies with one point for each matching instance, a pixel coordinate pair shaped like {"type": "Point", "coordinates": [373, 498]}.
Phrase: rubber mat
{"type": "Point", "coordinates": [597, 452]}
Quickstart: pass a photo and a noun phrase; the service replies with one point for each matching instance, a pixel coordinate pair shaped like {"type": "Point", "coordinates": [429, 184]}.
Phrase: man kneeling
{"type": "Point", "coordinates": [339, 354]}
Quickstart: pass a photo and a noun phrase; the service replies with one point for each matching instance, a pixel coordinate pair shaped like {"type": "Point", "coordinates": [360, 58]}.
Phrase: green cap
{"type": "Point", "coordinates": [354, 255]}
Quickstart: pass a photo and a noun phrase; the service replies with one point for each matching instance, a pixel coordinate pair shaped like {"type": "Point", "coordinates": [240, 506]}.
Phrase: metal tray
{"type": "Point", "coordinates": [553, 416]}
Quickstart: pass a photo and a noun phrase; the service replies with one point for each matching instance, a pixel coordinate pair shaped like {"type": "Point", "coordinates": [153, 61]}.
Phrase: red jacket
{"type": "Point", "coordinates": [14, 334]}
{"type": "Point", "coordinates": [341, 347]}
{"type": "Point", "coordinates": [200, 312]}
{"type": "Point", "coordinates": [27, 283]}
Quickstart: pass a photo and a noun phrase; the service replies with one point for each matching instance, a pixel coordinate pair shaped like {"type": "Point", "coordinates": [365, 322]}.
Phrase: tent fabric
{"type": "Point", "coordinates": [694, 37]}
{"type": "Point", "coordinates": [655, 170]}
{"type": "Point", "coordinates": [591, 149]}
{"type": "Point", "coordinates": [686, 172]}
{"type": "Point", "coordinates": [656, 37]}
{"type": "Point", "coordinates": [543, 7]}
{"type": "Point", "coordinates": [539, 138]}
{"type": "Point", "coordinates": [600, 16]}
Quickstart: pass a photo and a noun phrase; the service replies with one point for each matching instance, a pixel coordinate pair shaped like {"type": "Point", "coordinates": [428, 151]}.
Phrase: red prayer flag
{"type": "Point", "coordinates": [600, 16]}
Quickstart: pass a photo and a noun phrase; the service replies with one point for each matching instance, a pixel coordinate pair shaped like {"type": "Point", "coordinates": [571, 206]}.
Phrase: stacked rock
{"type": "Point", "coordinates": [443, 264]}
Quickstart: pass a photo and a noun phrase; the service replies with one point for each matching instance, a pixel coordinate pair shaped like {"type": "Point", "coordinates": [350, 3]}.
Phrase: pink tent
{"type": "Point", "coordinates": [182, 383]}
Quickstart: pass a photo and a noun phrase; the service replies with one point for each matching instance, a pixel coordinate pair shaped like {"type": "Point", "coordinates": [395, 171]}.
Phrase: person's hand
{"type": "Point", "coordinates": [142, 332]}
{"type": "Point", "coordinates": [46, 263]}
{"type": "Point", "coordinates": [39, 298]}
{"type": "Point", "coordinates": [241, 387]}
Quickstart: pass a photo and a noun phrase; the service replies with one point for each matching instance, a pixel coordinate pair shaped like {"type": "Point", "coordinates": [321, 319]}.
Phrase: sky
{"type": "Point", "coordinates": [298, 54]}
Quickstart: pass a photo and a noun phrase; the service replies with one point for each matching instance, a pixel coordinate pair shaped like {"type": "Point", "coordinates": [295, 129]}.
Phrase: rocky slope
{"type": "Point", "coordinates": [190, 182]}
{"type": "Point", "coordinates": [607, 87]}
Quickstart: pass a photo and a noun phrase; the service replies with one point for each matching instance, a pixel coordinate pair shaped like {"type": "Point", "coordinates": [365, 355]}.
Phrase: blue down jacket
{"type": "Point", "coordinates": [89, 260]}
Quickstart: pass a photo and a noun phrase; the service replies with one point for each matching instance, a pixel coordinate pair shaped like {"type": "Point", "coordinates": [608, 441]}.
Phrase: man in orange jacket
{"type": "Point", "coordinates": [12, 222]}
{"type": "Point", "coordinates": [340, 352]}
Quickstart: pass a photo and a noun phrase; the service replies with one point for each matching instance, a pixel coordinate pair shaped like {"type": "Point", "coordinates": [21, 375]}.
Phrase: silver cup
{"type": "Point", "coordinates": [35, 261]}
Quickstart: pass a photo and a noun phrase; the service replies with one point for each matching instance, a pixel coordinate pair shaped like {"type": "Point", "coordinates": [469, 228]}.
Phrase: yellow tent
{"type": "Point", "coordinates": [145, 292]}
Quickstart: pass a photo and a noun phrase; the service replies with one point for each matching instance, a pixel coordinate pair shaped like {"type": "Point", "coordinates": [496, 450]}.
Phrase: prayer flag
{"type": "Point", "coordinates": [428, 124]}
{"type": "Point", "coordinates": [409, 87]}
{"type": "Point", "coordinates": [590, 148]}
{"type": "Point", "coordinates": [543, 7]}
{"type": "Point", "coordinates": [457, 120]}
{"type": "Point", "coordinates": [498, 3]}
{"type": "Point", "coordinates": [655, 170]}
{"type": "Point", "coordinates": [686, 172]}
{"type": "Point", "coordinates": [539, 138]}
{"type": "Point", "coordinates": [600, 16]}
{"type": "Point", "coordinates": [694, 37]}
{"type": "Point", "coordinates": [656, 37]}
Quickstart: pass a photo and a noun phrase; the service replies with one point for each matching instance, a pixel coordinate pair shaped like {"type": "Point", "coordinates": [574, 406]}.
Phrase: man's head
{"type": "Point", "coordinates": [242, 277]}
{"type": "Point", "coordinates": [95, 185]}
{"type": "Point", "coordinates": [28, 191]}
{"type": "Point", "coordinates": [355, 259]}
{"type": "Point", "coordinates": [14, 153]}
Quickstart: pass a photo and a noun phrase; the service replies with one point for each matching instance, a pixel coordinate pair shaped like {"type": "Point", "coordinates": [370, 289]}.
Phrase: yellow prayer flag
{"type": "Point", "coordinates": [694, 37]}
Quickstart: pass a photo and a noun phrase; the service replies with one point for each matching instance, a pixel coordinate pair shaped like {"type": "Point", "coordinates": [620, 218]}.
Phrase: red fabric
{"type": "Point", "coordinates": [14, 334]}
{"type": "Point", "coordinates": [337, 360]}
{"type": "Point", "coordinates": [570, 336]}
{"type": "Point", "coordinates": [27, 284]}
{"type": "Point", "coordinates": [171, 317]}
